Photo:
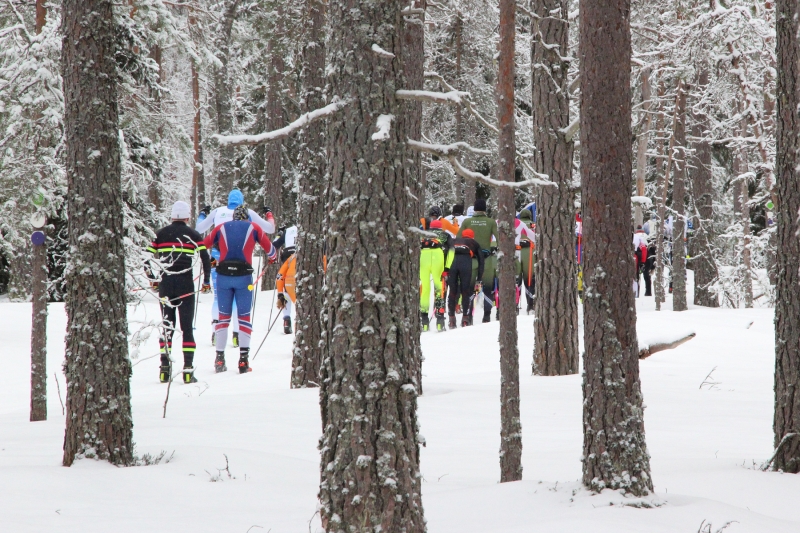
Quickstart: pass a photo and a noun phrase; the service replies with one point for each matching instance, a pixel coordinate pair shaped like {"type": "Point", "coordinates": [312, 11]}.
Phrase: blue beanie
{"type": "Point", "coordinates": [235, 199]}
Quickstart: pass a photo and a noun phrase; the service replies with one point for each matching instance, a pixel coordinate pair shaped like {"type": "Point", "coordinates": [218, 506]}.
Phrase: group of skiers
{"type": "Point", "coordinates": [233, 231]}
{"type": "Point", "coordinates": [458, 257]}
{"type": "Point", "coordinates": [458, 261]}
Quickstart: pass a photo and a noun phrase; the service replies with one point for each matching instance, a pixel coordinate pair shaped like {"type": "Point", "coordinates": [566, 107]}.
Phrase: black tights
{"type": "Point", "coordinates": [171, 288]}
{"type": "Point", "coordinates": [460, 283]}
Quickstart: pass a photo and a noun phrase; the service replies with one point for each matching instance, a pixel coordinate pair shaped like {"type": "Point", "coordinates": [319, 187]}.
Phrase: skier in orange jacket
{"type": "Point", "coordinates": [285, 285]}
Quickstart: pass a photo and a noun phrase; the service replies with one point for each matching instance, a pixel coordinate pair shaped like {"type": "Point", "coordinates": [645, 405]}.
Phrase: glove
{"type": "Point", "coordinates": [206, 288]}
{"type": "Point", "coordinates": [444, 277]}
{"type": "Point", "coordinates": [266, 209]}
{"type": "Point", "coordinates": [213, 262]}
{"type": "Point", "coordinates": [478, 287]}
{"type": "Point", "coordinates": [273, 260]}
{"type": "Point", "coordinates": [281, 301]}
{"type": "Point", "coordinates": [206, 210]}
{"type": "Point", "coordinates": [154, 285]}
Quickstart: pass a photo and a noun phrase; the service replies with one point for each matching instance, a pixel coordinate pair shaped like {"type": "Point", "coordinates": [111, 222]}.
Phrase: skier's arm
{"type": "Point", "coordinates": [448, 258]}
{"type": "Point", "coordinates": [206, 223]}
{"type": "Point", "coordinates": [263, 240]}
{"type": "Point", "coordinates": [476, 249]}
{"type": "Point", "coordinates": [449, 226]}
{"type": "Point", "coordinates": [267, 225]}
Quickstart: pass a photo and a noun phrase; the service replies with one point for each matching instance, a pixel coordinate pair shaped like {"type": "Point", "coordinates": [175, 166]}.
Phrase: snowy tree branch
{"type": "Point", "coordinates": [649, 349]}
{"type": "Point", "coordinates": [262, 138]}
{"type": "Point", "coordinates": [451, 97]}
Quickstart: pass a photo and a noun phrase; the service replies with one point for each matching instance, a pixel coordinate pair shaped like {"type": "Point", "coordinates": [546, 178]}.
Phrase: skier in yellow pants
{"type": "Point", "coordinates": [431, 265]}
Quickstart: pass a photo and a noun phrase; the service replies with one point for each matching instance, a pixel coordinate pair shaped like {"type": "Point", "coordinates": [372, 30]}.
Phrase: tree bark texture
{"type": "Point", "coordinates": [510, 425]}
{"type": "Point", "coordinates": [307, 353]}
{"type": "Point", "coordinates": [370, 447]}
{"type": "Point", "coordinates": [614, 450]}
{"type": "Point", "coordinates": [555, 351]}
{"type": "Point", "coordinates": [413, 47]}
{"type": "Point", "coordinates": [97, 367]}
{"type": "Point", "coordinates": [225, 167]}
{"type": "Point", "coordinates": [787, 298]}
{"type": "Point", "coordinates": [641, 145]}
{"type": "Point", "coordinates": [703, 198]}
{"type": "Point", "coordinates": [39, 334]}
{"type": "Point", "coordinates": [679, 206]}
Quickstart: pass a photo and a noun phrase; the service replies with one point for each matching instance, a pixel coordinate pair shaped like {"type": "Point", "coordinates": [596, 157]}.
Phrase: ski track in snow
{"type": "Point", "coordinates": [703, 441]}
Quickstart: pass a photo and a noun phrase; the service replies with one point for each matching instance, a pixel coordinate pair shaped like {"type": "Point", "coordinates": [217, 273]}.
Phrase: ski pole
{"type": "Point", "coordinates": [265, 336]}
{"type": "Point", "coordinates": [255, 296]}
{"type": "Point", "coordinates": [196, 303]}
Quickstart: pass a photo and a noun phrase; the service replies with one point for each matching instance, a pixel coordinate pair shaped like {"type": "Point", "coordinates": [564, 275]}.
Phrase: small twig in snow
{"type": "Point", "coordinates": [58, 387]}
{"type": "Point", "coordinates": [711, 384]}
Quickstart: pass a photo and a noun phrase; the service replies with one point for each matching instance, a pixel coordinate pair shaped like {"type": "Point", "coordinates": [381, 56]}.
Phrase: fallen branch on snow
{"type": "Point", "coordinates": [648, 350]}
{"type": "Point", "coordinates": [786, 438]}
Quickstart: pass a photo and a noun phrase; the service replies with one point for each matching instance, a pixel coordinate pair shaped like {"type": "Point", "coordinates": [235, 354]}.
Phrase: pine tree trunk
{"type": "Point", "coordinates": [39, 301]}
{"type": "Point", "coordinates": [510, 426]}
{"type": "Point", "coordinates": [787, 291]}
{"type": "Point", "coordinates": [154, 188]}
{"type": "Point", "coordinates": [679, 206]}
{"type": "Point", "coordinates": [197, 167]}
{"type": "Point", "coordinates": [273, 170]}
{"type": "Point", "coordinates": [555, 324]}
{"type": "Point", "coordinates": [225, 167]}
{"type": "Point", "coordinates": [413, 47]}
{"type": "Point", "coordinates": [641, 145]}
{"type": "Point", "coordinates": [703, 199]}
{"type": "Point", "coordinates": [97, 367]}
{"type": "Point", "coordinates": [614, 451]}
{"type": "Point", "coordinates": [370, 447]}
{"type": "Point", "coordinates": [747, 278]}
{"type": "Point", "coordinates": [39, 334]}
{"type": "Point", "coordinates": [307, 354]}
{"type": "Point", "coordinates": [662, 207]}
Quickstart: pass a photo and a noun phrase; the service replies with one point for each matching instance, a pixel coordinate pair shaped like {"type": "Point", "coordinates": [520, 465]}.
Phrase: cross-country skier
{"type": "Point", "coordinates": [285, 285]}
{"type": "Point", "coordinates": [456, 217]}
{"type": "Point", "coordinates": [640, 253]}
{"type": "Point", "coordinates": [435, 213]}
{"type": "Point", "coordinates": [525, 239]}
{"type": "Point", "coordinates": [237, 240]}
{"type": "Point", "coordinates": [209, 219]}
{"type": "Point", "coordinates": [463, 276]}
{"type": "Point", "coordinates": [485, 228]}
{"type": "Point", "coordinates": [175, 247]}
{"type": "Point", "coordinates": [431, 265]}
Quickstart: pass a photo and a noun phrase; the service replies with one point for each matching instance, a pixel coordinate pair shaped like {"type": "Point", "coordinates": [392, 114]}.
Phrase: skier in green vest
{"type": "Point", "coordinates": [484, 228]}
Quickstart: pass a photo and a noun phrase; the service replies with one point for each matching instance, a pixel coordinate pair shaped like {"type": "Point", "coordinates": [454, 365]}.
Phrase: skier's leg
{"type": "Point", "coordinates": [225, 291]}
{"type": "Point", "coordinates": [167, 331]}
{"type": "Point", "coordinates": [425, 280]}
{"type": "Point", "coordinates": [186, 314]}
{"type": "Point", "coordinates": [244, 300]}
{"type": "Point", "coordinates": [452, 285]}
{"type": "Point", "coordinates": [489, 273]}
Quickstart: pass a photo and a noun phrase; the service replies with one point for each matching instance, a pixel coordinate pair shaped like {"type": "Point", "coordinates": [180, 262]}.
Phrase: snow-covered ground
{"type": "Point", "coordinates": [706, 441]}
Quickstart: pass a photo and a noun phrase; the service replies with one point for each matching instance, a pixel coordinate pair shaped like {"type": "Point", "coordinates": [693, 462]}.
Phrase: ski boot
{"type": "Point", "coordinates": [530, 309]}
{"type": "Point", "coordinates": [439, 312]}
{"type": "Point", "coordinates": [452, 322]}
{"type": "Point", "coordinates": [235, 339]}
{"type": "Point", "coordinates": [165, 371]}
{"type": "Point", "coordinates": [487, 317]}
{"type": "Point", "coordinates": [287, 325]}
{"type": "Point", "coordinates": [219, 363]}
{"type": "Point", "coordinates": [188, 375]}
{"type": "Point", "coordinates": [214, 332]}
{"type": "Point", "coordinates": [426, 322]}
{"type": "Point", "coordinates": [244, 365]}
{"type": "Point", "coordinates": [466, 320]}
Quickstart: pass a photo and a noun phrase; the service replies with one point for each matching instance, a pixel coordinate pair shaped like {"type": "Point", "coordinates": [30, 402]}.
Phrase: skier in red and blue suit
{"type": "Point", "coordinates": [236, 241]}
